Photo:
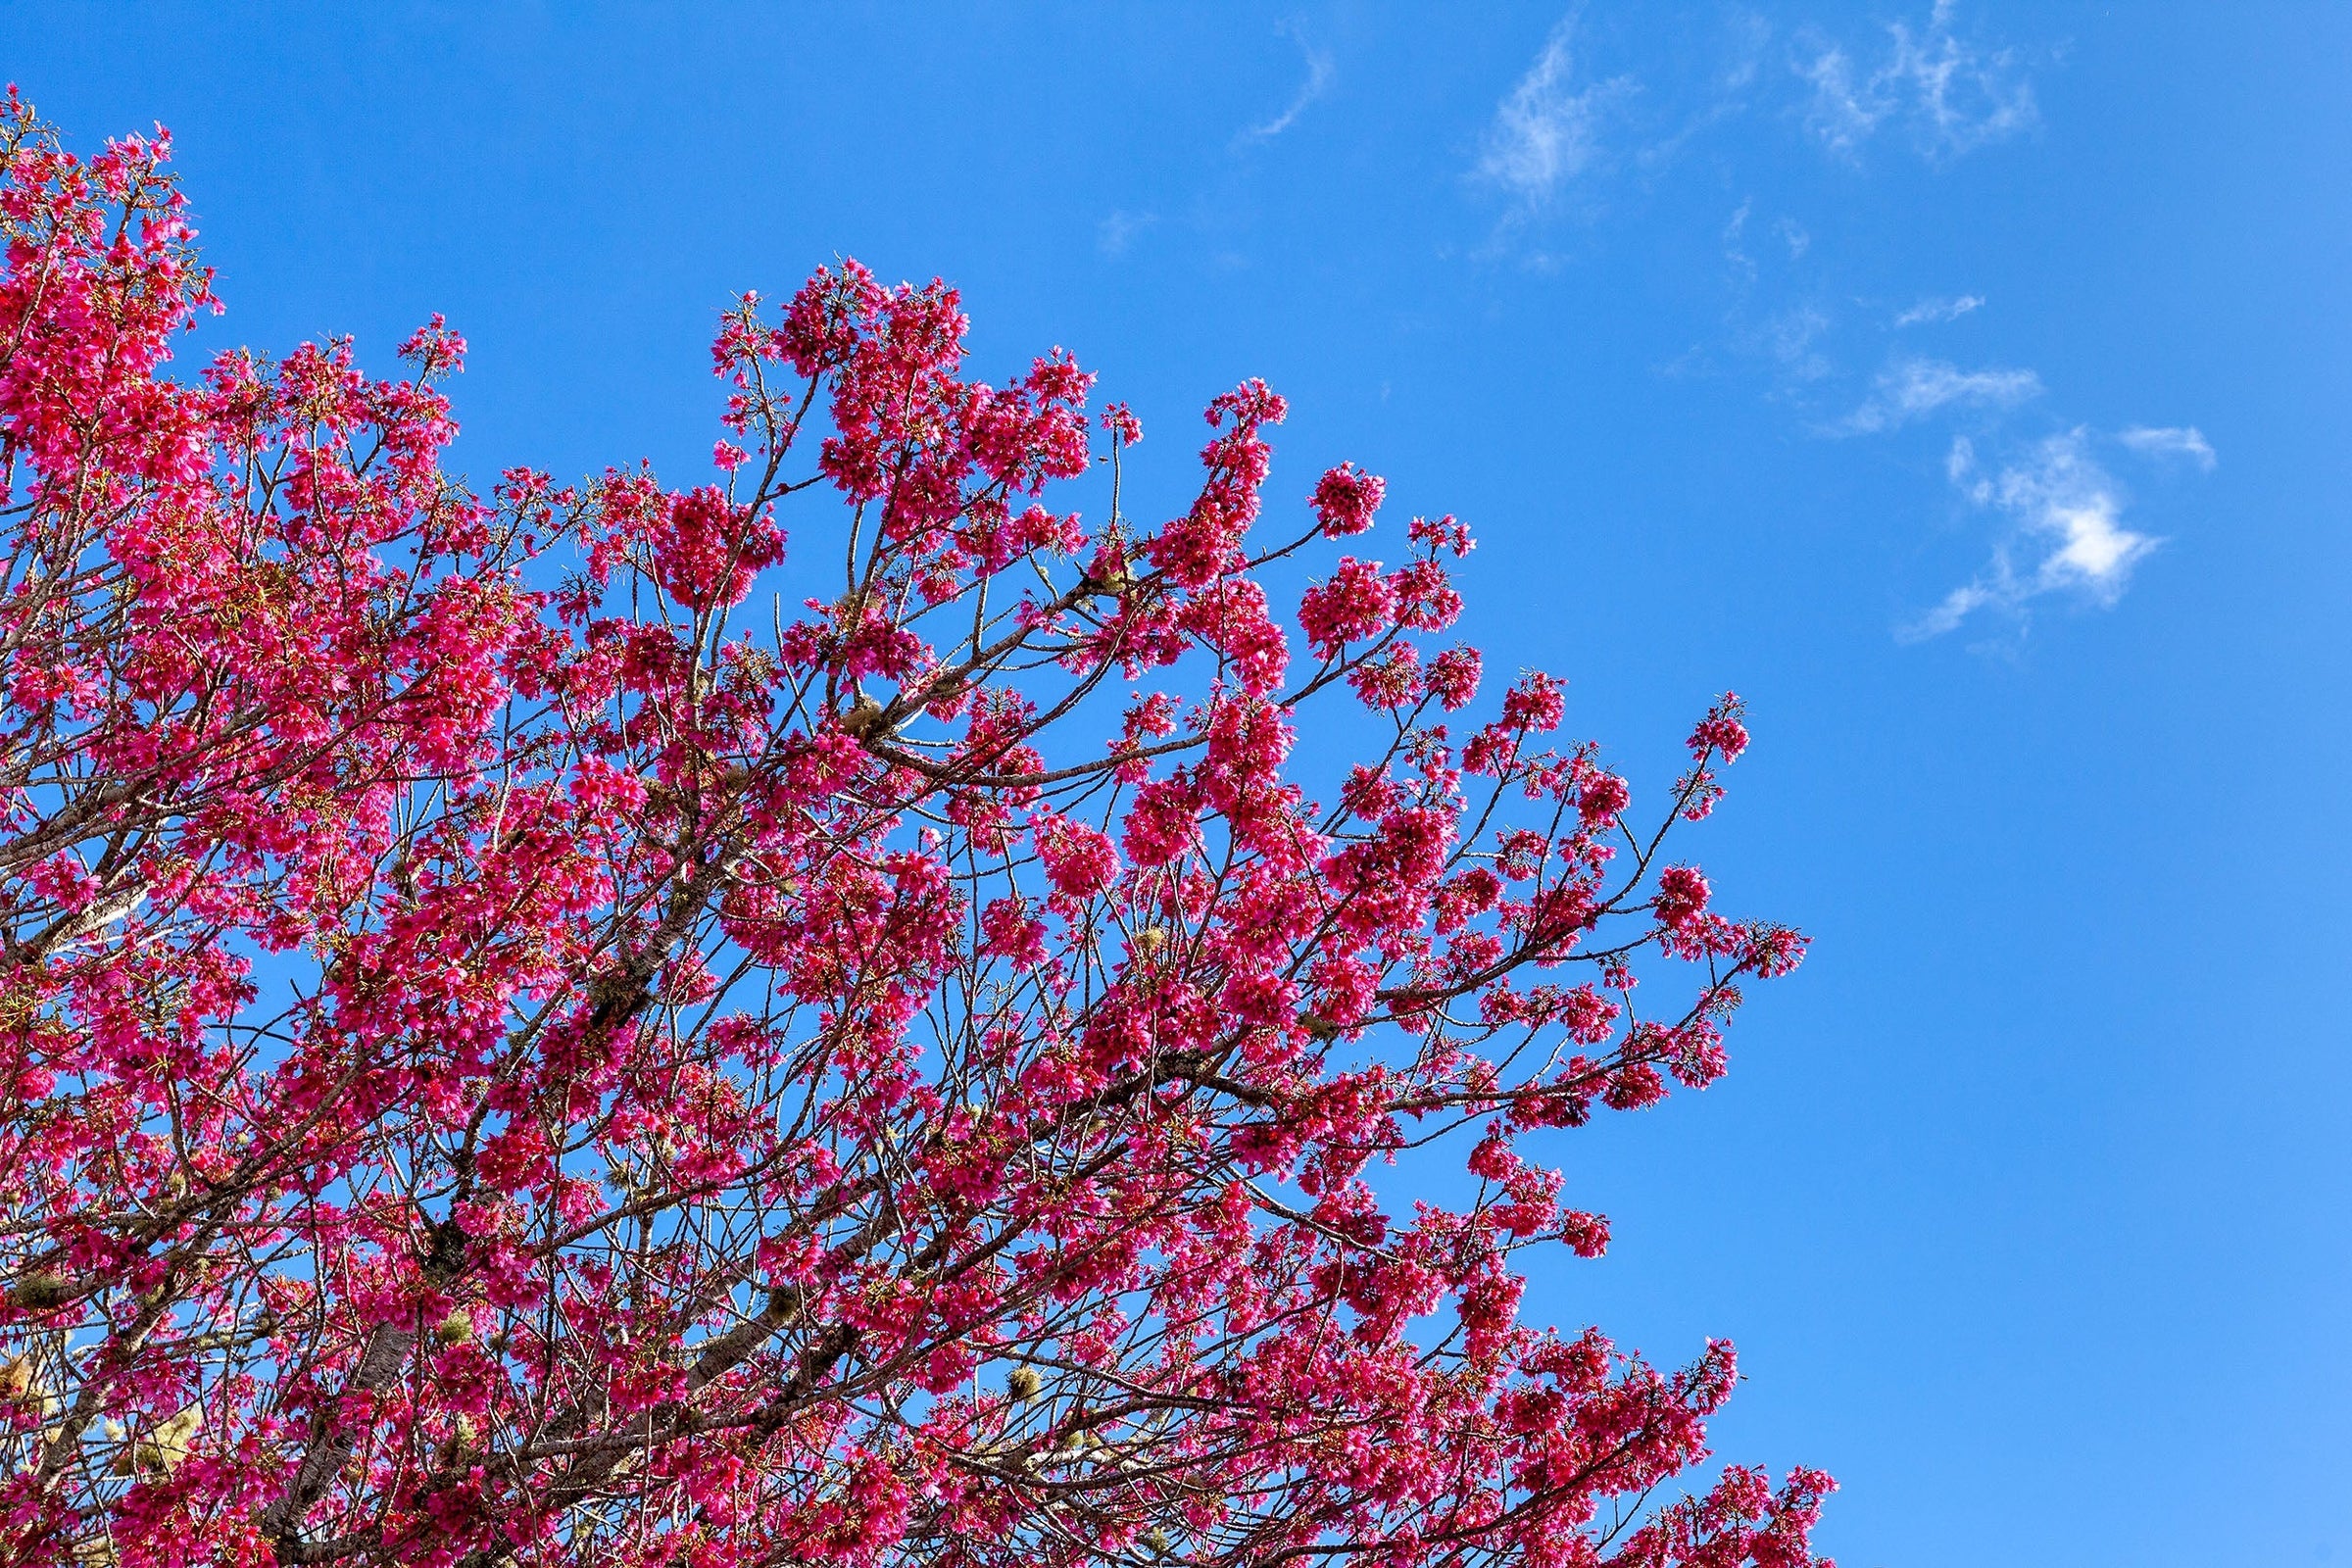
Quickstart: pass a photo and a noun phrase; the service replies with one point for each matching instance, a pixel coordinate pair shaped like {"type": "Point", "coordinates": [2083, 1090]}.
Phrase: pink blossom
{"type": "Point", "coordinates": [1345, 499]}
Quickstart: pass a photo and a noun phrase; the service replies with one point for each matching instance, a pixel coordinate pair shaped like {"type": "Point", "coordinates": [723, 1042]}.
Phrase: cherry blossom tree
{"type": "Point", "coordinates": [538, 1026]}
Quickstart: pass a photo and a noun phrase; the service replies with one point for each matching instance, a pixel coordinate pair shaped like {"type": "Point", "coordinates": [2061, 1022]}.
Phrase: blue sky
{"type": "Point", "coordinates": [1967, 386]}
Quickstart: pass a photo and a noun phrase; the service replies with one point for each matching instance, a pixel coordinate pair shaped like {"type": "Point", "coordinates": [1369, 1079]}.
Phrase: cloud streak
{"type": "Point", "coordinates": [1911, 389]}
{"type": "Point", "coordinates": [1321, 72]}
{"type": "Point", "coordinates": [1116, 232]}
{"type": "Point", "coordinates": [1544, 132]}
{"type": "Point", "coordinates": [1953, 95]}
{"type": "Point", "coordinates": [2066, 530]}
{"type": "Point", "coordinates": [1931, 310]}
{"type": "Point", "coordinates": [2171, 441]}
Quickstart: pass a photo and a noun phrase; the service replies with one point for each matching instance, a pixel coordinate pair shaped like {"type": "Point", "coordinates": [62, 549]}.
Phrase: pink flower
{"type": "Point", "coordinates": [1345, 499]}
{"type": "Point", "coordinates": [1681, 896]}
{"type": "Point", "coordinates": [1454, 677]}
{"type": "Point", "coordinates": [1354, 604]}
{"type": "Point", "coordinates": [1601, 798]}
{"type": "Point", "coordinates": [1079, 860]}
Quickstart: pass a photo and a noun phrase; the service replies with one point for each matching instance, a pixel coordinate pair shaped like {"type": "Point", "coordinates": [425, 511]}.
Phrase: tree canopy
{"type": "Point", "coordinates": [539, 1025]}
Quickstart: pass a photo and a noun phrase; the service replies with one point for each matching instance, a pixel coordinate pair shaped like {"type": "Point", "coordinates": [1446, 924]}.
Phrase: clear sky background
{"type": "Point", "coordinates": [1968, 387]}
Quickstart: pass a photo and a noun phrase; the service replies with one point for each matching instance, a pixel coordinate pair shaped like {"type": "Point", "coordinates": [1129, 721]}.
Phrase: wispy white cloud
{"type": "Point", "coordinates": [1546, 131]}
{"type": "Point", "coordinates": [1723, 92]}
{"type": "Point", "coordinates": [2169, 441]}
{"type": "Point", "coordinates": [1320, 73]}
{"type": "Point", "coordinates": [1909, 389]}
{"type": "Point", "coordinates": [1958, 604]}
{"type": "Point", "coordinates": [1747, 35]}
{"type": "Point", "coordinates": [2065, 532]}
{"type": "Point", "coordinates": [1940, 310]}
{"type": "Point", "coordinates": [2076, 505]}
{"type": "Point", "coordinates": [1116, 232]}
{"type": "Point", "coordinates": [1952, 93]}
{"type": "Point", "coordinates": [1791, 337]}
{"type": "Point", "coordinates": [1787, 231]}
{"type": "Point", "coordinates": [1734, 234]}
{"type": "Point", "coordinates": [1843, 112]}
